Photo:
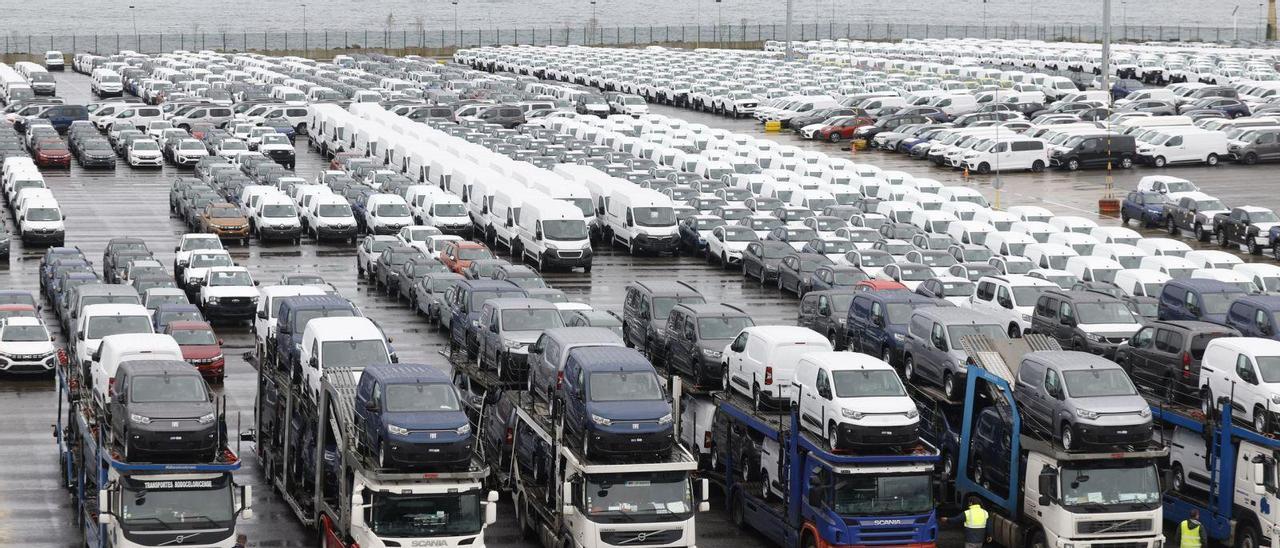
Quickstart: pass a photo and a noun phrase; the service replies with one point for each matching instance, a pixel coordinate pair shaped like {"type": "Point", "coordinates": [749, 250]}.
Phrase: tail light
{"type": "Point", "coordinates": [559, 379]}
{"type": "Point", "coordinates": [768, 376]}
{"type": "Point", "coordinates": [509, 435]}
{"type": "Point", "coordinates": [706, 439]}
{"type": "Point", "coordinates": [1186, 365]}
{"type": "Point", "coordinates": [62, 356]}
{"type": "Point", "coordinates": [111, 387]}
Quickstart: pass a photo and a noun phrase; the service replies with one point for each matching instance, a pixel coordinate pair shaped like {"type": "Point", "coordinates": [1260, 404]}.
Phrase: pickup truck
{"type": "Point", "coordinates": [1193, 211]}
{"type": "Point", "coordinates": [1248, 225]}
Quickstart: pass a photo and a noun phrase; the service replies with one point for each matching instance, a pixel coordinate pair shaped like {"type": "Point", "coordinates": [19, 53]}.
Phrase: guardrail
{"type": "Point", "coordinates": [444, 41]}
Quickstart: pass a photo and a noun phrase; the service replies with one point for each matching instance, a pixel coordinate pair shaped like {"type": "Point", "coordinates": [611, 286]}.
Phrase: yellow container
{"type": "Point", "coordinates": [773, 126]}
{"type": "Point", "coordinates": [859, 144]}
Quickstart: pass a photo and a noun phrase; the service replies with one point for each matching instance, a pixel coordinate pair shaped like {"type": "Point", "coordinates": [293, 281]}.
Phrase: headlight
{"type": "Point", "coordinates": [397, 430]}
{"type": "Point", "coordinates": [601, 420]}
{"type": "Point", "coordinates": [1275, 399]}
{"type": "Point", "coordinates": [1026, 317]}
{"type": "Point", "coordinates": [463, 430]}
{"type": "Point", "coordinates": [912, 413]}
{"type": "Point", "coordinates": [512, 344]}
{"type": "Point", "coordinates": [206, 419]}
{"type": "Point", "coordinates": [1093, 337]}
{"type": "Point", "coordinates": [211, 300]}
{"type": "Point", "coordinates": [666, 419]}
{"type": "Point", "coordinates": [851, 414]}
{"type": "Point", "coordinates": [899, 337]}
{"type": "Point", "coordinates": [1144, 412]}
{"type": "Point", "coordinates": [139, 419]}
{"type": "Point", "coordinates": [716, 354]}
{"type": "Point", "coordinates": [1086, 414]}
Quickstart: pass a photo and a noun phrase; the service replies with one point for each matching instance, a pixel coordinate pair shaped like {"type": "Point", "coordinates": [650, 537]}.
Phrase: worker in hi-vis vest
{"type": "Point", "coordinates": [1191, 532]}
{"type": "Point", "coordinates": [977, 523]}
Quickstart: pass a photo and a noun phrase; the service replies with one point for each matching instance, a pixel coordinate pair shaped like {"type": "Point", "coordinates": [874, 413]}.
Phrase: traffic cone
{"type": "Point", "coordinates": [966, 174]}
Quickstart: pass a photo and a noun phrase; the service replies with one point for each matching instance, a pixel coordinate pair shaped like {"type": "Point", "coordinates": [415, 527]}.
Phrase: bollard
{"type": "Point", "coordinates": [773, 126]}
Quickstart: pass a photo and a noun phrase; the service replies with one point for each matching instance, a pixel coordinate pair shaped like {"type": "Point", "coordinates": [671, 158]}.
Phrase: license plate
{"type": "Point", "coordinates": [637, 440]}
{"type": "Point", "coordinates": [1122, 431]}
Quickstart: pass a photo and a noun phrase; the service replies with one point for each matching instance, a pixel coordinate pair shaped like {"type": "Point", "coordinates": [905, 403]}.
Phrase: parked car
{"type": "Point", "coordinates": [1081, 400]}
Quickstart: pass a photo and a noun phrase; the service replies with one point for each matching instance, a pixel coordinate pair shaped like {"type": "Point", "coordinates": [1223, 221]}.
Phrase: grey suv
{"type": "Point", "coordinates": [697, 334]}
{"type": "Point", "coordinates": [1164, 357]}
{"type": "Point", "coordinates": [1085, 320]}
{"type": "Point", "coordinates": [1081, 399]}
{"type": "Point", "coordinates": [163, 408]}
{"type": "Point", "coordinates": [645, 309]}
{"type": "Point", "coordinates": [508, 327]}
{"type": "Point", "coordinates": [933, 352]}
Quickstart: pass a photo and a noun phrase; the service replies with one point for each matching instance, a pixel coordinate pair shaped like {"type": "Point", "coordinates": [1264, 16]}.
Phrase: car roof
{"type": "Point", "coordinates": [712, 309]}
{"type": "Point", "coordinates": [520, 302]}
{"type": "Point", "coordinates": [396, 373]}
{"type": "Point", "coordinates": [184, 325]}
{"type": "Point", "coordinates": [1070, 360]}
{"type": "Point", "coordinates": [957, 315]}
{"type": "Point", "coordinates": [611, 358]}
{"type": "Point", "coordinates": [1081, 296]}
{"type": "Point", "coordinates": [167, 367]}
{"type": "Point", "coordinates": [584, 334]}
{"type": "Point", "coordinates": [1204, 285]}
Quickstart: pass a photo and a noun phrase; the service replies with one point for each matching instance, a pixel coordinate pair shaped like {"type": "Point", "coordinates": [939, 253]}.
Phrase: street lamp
{"type": "Point", "coordinates": [306, 49]}
{"type": "Point", "coordinates": [1124, 18]}
{"type": "Point", "coordinates": [595, 24]}
{"type": "Point", "coordinates": [719, 11]}
{"type": "Point", "coordinates": [134, 15]}
{"type": "Point", "coordinates": [456, 37]}
{"type": "Point", "coordinates": [984, 18]}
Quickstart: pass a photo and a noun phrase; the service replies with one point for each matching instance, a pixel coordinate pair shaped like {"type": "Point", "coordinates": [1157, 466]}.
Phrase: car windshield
{"type": "Point", "coordinates": [392, 210]}
{"type": "Point", "coordinates": [449, 210]}
{"type": "Point", "coordinates": [867, 383]}
{"type": "Point", "coordinates": [900, 313]}
{"type": "Point", "coordinates": [421, 515]}
{"type": "Point", "coordinates": [210, 259]}
{"type": "Point", "coordinates": [836, 247]}
{"type": "Point", "coordinates": [167, 389]}
{"type": "Point", "coordinates": [1210, 205]}
{"type": "Point", "coordinates": [230, 278]}
{"type": "Point", "coordinates": [193, 337]}
{"type": "Point", "coordinates": [915, 273]}
{"type": "Point", "coordinates": [1217, 303]}
{"type": "Point", "coordinates": [43, 214]}
{"type": "Point", "coordinates": [479, 297]}
{"type": "Point", "coordinates": [723, 327]}
{"type": "Point", "coordinates": [564, 230]}
{"type": "Point", "coordinates": [145, 144]}
{"type": "Point", "coordinates": [190, 145]}
{"type": "Point", "coordinates": [615, 386]}
{"type": "Point", "coordinates": [421, 397]}
{"type": "Point", "coordinates": [957, 289]}
{"type": "Point", "coordinates": [359, 353]}
{"type": "Point", "coordinates": [654, 216]}
{"type": "Point", "coordinates": [657, 496]}
{"type": "Point", "coordinates": [1093, 383]}
{"type": "Point", "coordinates": [662, 305]}
{"type": "Point", "coordinates": [439, 285]}
{"type": "Point", "coordinates": [474, 253]}
{"type": "Point", "coordinates": [882, 494]}
{"type": "Point", "coordinates": [224, 212]}
{"type": "Point", "coordinates": [958, 332]}
{"type": "Point", "coordinates": [301, 317]}
{"type": "Point", "coordinates": [1104, 313]}
{"type": "Point", "coordinates": [276, 211]}
{"type": "Point", "coordinates": [937, 259]}
{"type": "Point", "coordinates": [739, 235]}
{"type": "Point", "coordinates": [530, 319]}
{"type": "Point", "coordinates": [1111, 486]}
{"type": "Point", "coordinates": [102, 326]}
{"type": "Point", "coordinates": [24, 333]}
{"type": "Point", "coordinates": [164, 506]}
{"type": "Point", "coordinates": [333, 210]}
{"type": "Point", "coordinates": [234, 145]}
{"type": "Point", "coordinates": [274, 139]}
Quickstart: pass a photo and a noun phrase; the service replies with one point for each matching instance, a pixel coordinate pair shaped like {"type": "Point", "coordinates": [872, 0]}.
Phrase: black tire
{"type": "Point", "coordinates": [1073, 165]}
{"type": "Point", "coordinates": [1124, 217]}
{"type": "Point", "coordinates": [1212, 160]}
{"type": "Point", "coordinates": [1171, 227]}
{"type": "Point", "coordinates": [1222, 239]}
{"type": "Point", "coordinates": [736, 513]}
{"type": "Point", "coordinates": [1126, 162]}
{"type": "Point", "coordinates": [833, 137]}
{"type": "Point", "coordinates": [1159, 161]}
{"type": "Point", "coordinates": [1247, 536]}
{"type": "Point", "coordinates": [1201, 234]}
{"type": "Point", "coordinates": [1038, 540]}
{"type": "Point", "coordinates": [1014, 331]}
{"type": "Point", "coordinates": [1037, 166]}
{"type": "Point", "coordinates": [1250, 159]}
{"type": "Point", "coordinates": [908, 368]}
{"type": "Point", "coordinates": [522, 519]}
{"type": "Point", "coordinates": [949, 386]}
{"type": "Point", "coordinates": [984, 168]}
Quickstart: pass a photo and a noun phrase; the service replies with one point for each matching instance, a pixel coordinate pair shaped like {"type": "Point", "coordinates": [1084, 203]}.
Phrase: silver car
{"type": "Point", "coordinates": [933, 351]}
{"type": "Point", "coordinates": [1082, 400]}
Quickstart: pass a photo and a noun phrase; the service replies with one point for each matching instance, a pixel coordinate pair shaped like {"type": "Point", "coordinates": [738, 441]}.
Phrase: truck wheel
{"type": "Point", "coordinates": [1250, 159]}
{"type": "Point", "coordinates": [1038, 541]}
{"type": "Point", "coordinates": [886, 355]}
{"type": "Point", "coordinates": [1212, 160]}
{"type": "Point", "coordinates": [1014, 332]}
{"type": "Point", "coordinates": [1260, 420]}
{"type": "Point", "coordinates": [522, 517]}
{"type": "Point", "coordinates": [832, 438]}
{"type": "Point", "coordinates": [1201, 234]}
{"type": "Point", "coordinates": [1275, 252]}
{"type": "Point", "coordinates": [1073, 165]}
{"type": "Point", "coordinates": [1172, 227]}
{"type": "Point", "coordinates": [1124, 217]}
{"type": "Point", "coordinates": [1068, 437]}
{"type": "Point", "coordinates": [1222, 238]}
{"type": "Point", "coordinates": [984, 168]}
{"type": "Point", "coordinates": [735, 512]}
{"type": "Point", "coordinates": [909, 367]}
{"type": "Point", "coordinates": [949, 385]}
{"type": "Point", "coordinates": [1037, 166]}
{"type": "Point", "coordinates": [1254, 248]}
{"type": "Point", "coordinates": [1247, 536]}
{"type": "Point", "coordinates": [756, 401]}
{"type": "Point", "coordinates": [1179, 479]}
{"type": "Point", "coordinates": [765, 493]}
{"type": "Point", "coordinates": [1159, 161]}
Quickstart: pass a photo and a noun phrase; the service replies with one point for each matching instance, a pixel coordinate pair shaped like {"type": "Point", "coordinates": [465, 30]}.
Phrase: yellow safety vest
{"type": "Point", "coordinates": [1190, 538]}
{"type": "Point", "coordinates": [975, 517]}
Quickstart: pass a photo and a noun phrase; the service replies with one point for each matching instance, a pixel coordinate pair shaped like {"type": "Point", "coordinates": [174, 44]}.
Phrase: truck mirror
{"type": "Point", "coordinates": [492, 496]}
{"type": "Point", "coordinates": [566, 498]}
{"type": "Point", "coordinates": [246, 502]}
{"type": "Point", "coordinates": [313, 363]}
{"type": "Point", "coordinates": [104, 506]}
{"type": "Point", "coordinates": [262, 314]}
{"type": "Point", "coordinates": [1259, 476]}
{"type": "Point", "coordinates": [491, 511]}
{"type": "Point", "coordinates": [1166, 480]}
{"type": "Point", "coordinates": [371, 406]}
{"type": "Point", "coordinates": [704, 492]}
{"type": "Point", "coordinates": [175, 249]}
{"type": "Point", "coordinates": [878, 321]}
{"type": "Point", "coordinates": [1048, 486]}
{"type": "Point", "coordinates": [825, 310]}
{"type": "Point", "coordinates": [80, 335]}
{"type": "Point", "coordinates": [395, 358]}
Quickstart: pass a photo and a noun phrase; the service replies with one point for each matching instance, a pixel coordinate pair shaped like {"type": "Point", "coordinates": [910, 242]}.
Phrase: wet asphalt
{"type": "Point", "coordinates": [36, 511]}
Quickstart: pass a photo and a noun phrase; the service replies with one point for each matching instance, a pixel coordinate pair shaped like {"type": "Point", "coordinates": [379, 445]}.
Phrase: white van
{"type": "Point", "coordinates": [1013, 153]}
{"type": "Point", "coordinates": [1139, 282]}
{"type": "Point", "coordinates": [387, 214]}
{"type": "Point", "coordinates": [1047, 255]}
{"type": "Point", "coordinates": [1183, 145]}
{"type": "Point", "coordinates": [642, 219]}
{"type": "Point", "coordinates": [445, 212]}
{"type": "Point", "coordinates": [504, 213]}
{"type": "Point", "coordinates": [41, 222]}
{"type": "Point", "coordinates": [852, 399]}
{"type": "Point", "coordinates": [955, 105]}
{"type": "Point", "coordinates": [105, 82]}
{"type": "Point", "coordinates": [354, 342]}
{"type": "Point", "coordinates": [553, 233]}
{"type": "Point", "coordinates": [96, 321]}
{"type": "Point", "coordinates": [970, 232]}
{"type": "Point", "coordinates": [1129, 256]}
{"type": "Point", "coordinates": [1093, 269]}
{"type": "Point", "coordinates": [761, 361]}
{"type": "Point", "coordinates": [114, 350]}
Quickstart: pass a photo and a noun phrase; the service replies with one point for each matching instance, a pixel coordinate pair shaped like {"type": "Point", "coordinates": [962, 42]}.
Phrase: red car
{"type": "Point", "coordinates": [200, 347]}
{"type": "Point", "coordinates": [458, 255]}
{"type": "Point", "coordinates": [17, 311]}
{"type": "Point", "coordinates": [840, 127]}
{"type": "Point", "coordinates": [878, 285]}
{"type": "Point", "coordinates": [52, 153]}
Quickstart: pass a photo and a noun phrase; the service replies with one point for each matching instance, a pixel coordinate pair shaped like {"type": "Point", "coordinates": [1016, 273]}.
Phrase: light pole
{"type": "Point", "coordinates": [457, 38]}
{"type": "Point", "coordinates": [1235, 24]}
{"type": "Point", "coordinates": [787, 31]}
{"type": "Point", "coordinates": [134, 16]}
{"type": "Point", "coordinates": [595, 25]}
{"type": "Point", "coordinates": [984, 18]}
{"type": "Point", "coordinates": [1262, 17]}
{"type": "Point", "coordinates": [719, 12]}
{"type": "Point", "coordinates": [306, 49]}
{"type": "Point", "coordinates": [1124, 18]}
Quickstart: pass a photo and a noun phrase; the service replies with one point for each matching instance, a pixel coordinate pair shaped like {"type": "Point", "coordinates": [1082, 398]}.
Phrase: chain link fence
{"type": "Point", "coordinates": [445, 40]}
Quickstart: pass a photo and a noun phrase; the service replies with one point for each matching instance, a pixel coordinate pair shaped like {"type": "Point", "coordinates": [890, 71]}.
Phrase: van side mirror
{"type": "Point", "coordinates": [1194, 309]}
{"type": "Point", "coordinates": [538, 235]}
{"type": "Point", "coordinates": [262, 314]}
{"type": "Point", "coordinates": [1068, 321]}
{"type": "Point", "coordinates": [176, 249]}
{"type": "Point", "coordinates": [313, 363]}
{"type": "Point", "coordinates": [371, 406]}
{"type": "Point", "coordinates": [566, 497]}
{"type": "Point", "coordinates": [878, 321]}
{"type": "Point", "coordinates": [824, 310]}
{"type": "Point", "coordinates": [104, 506]}
{"type": "Point", "coordinates": [493, 328]}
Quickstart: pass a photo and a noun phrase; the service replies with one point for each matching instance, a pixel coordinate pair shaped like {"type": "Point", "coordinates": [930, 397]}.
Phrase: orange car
{"type": "Point", "coordinates": [458, 255]}
{"type": "Point", "coordinates": [226, 221]}
{"type": "Point", "coordinates": [877, 285]}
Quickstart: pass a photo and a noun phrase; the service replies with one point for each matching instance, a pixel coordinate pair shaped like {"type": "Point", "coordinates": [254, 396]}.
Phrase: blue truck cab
{"type": "Point", "coordinates": [894, 490]}
{"type": "Point", "coordinates": [1255, 316]}
{"type": "Point", "coordinates": [614, 403]}
{"type": "Point", "coordinates": [464, 301]}
{"type": "Point", "coordinates": [1197, 299]}
{"type": "Point", "coordinates": [412, 418]}
{"type": "Point", "coordinates": [292, 320]}
{"type": "Point", "coordinates": [877, 322]}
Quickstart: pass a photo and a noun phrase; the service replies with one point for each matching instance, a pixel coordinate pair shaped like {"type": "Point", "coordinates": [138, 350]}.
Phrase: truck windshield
{"type": "Point", "coordinates": [354, 353]}
{"type": "Point", "coordinates": [662, 305]}
{"type": "Point", "coordinates": [628, 497]}
{"type": "Point", "coordinates": [400, 516]}
{"type": "Point", "coordinates": [654, 216]}
{"type": "Point", "coordinates": [530, 319]}
{"type": "Point", "coordinates": [176, 504]}
{"type": "Point", "coordinates": [1110, 488]}
{"type": "Point", "coordinates": [564, 230]}
{"type": "Point", "coordinates": [878, 495]}
{"type": "Point", "coordinates": [725, 327]}
{"type": "Point", "coordinates": [103, 326]}
{"type": "Point", "coordinates": [624, 386]}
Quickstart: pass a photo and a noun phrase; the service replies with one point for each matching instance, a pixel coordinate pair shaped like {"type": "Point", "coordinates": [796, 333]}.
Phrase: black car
{"type": "Point", "coordinates": [762, 259]}
{"type": "Point", "coordinates": [1163, 358]}
{"type": "Point", "coordinates": [795, 270]}
{"type": "Point", "coordinates": [826, 312]}
{"type": "Point", "coordinates": [163, 408]}
{"type": "Point", "coordinates": [697, 334]}
{"type": "Point", "coordinates": [386, 270]}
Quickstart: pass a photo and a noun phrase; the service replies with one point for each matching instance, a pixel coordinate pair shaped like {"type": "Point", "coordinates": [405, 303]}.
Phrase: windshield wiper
{"type": "Point", "coordinates": [150, 518]}
{"type": "Point", "coordinates": [1092, 506]}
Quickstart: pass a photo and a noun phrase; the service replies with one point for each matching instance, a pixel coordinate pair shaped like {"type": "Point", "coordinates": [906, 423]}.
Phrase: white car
{"type": "Point", "coordinates": [370, 248]}
{"type": "Point", "coordinates": [26, 347]}
{"type": "Point", "coordinates": [417, 237]}
{"type": "Point", "coordinates": [761, 361]}
{"type": "Point", "coordinates": [1010, 297]}
{"type": "Point", "coordinates": [726, 243]}
{"type": "Point", "coordinates": [1243, 369]}
{"type": "Point", "coordinates": [229, 292]}
{"type": "Point", "coordinates": [199, 263]}
{"type": "Point", "coordinates": [190, 243]}
{"type": "Point", "coordinates": [852, 399]}
{"type": "Point", "coordinates": [144, 152]}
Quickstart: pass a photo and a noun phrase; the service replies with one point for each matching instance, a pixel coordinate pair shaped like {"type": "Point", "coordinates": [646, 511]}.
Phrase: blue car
{"type": "Point", "coordinates": [1197, 299]}
{"type": "Point", "coordinates": [614, 403]}
{"type": "Point", "coordinates": [877, 321]}
{"type": "Point", "coordinates": [412, 418]}
{"type": "Point", "coordinates": [464, 301]}
{"type": "Point", "coordinates": [1147, 208]}
{"type": "Point", "coordinates": [1255, 316]}
{"type": "Point", "coordinates": [291, 319]}
{"type": "Point", "coordinates": [691, 229]}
